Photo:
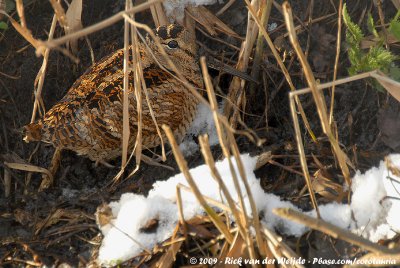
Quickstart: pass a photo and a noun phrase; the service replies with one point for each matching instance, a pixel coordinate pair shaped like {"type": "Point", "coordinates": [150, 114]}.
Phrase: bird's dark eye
{"type": "Point", "coordinates": [173, 44]}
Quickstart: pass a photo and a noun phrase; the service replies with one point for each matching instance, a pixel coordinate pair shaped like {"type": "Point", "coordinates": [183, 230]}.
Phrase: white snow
{"type": "Point", "coordinates": [203, 123]}
{"type": "Point", "coordinates": [371, 213]}
{"type": "Point", "coordinates": [272, 26]}
{"type": "Point", "coordinates": [391, 183]}
{"type": "Point", "coordinates": [175, 8]}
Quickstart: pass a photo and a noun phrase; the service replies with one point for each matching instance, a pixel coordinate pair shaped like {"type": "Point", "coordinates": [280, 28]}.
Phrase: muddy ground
{"type": "Point", "coordinates": [365, 119]}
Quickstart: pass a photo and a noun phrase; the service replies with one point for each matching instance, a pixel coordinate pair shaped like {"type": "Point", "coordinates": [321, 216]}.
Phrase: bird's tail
{"type": "Point", "coordinates": [33, 132]}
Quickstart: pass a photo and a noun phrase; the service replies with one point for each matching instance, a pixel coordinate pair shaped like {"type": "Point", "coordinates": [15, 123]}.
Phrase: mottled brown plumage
{"type": "Point", "coordinates": [88, 119]}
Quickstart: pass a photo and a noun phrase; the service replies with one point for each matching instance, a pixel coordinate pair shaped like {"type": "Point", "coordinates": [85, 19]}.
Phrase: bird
{"type": "Point", "coordinates": [88, 119]}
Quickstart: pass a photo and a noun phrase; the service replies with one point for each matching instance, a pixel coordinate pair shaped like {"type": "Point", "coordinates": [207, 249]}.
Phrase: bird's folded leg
{"type": "Point", "coordinates": [54, 165]}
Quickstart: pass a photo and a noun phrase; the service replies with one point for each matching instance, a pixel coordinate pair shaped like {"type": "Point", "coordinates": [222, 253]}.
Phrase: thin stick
{"type": "Point", "coordinates": [283, 68]}
{"type": "Point", "coordinates": [7, 183]}
{"type": "Point", "coordinates": [223, 143]}
{"type": "Point", "coordinates": [94, 28]}
{"type": "Point", "coordinates": [184, 169]}
{"type": "Point", "coordinates": [30, 168]}
{"type": "Point", "coordinates": [332, 230]}
{"type": "Point", "coordinates": [143, 83]}
{"type": "Point", "coordinates": [210, 200]}
{"type": "Point", "coordinates": [20, 11]}
{"type": "Point", "coordinates": [382, 21]}
{"type": "Point", "coordinates": [336, 82]}
{"type": "Point", "coordinates": [125, 90]}
{"type": "Point", "coordinates": [276, 242]}
{"type": "Point", "coordinates": [159, 16]}
{"type": "Point", "coordinates": [236, 87]}
{"type": "Point", "coordinates": [138, 83]}
{"type": "Point", "coordinates": [266, 11]}
{"type": "Point", "coordinates": [317, 95]}
{"type": "Point", "coordinates": [300, 148]}
{"type": "Point", "coordinates": [224, 8]}
{"type": "Point", "coordinates": [256, 220]}
{"type": "Point", "coordinates": [182, 221]}
{"type": "Point", "coordinates": [206, 152]}
{"type": "Point", "coordinates": [335, 68]}
{"type": "Point", "coordinates": [42, 72]}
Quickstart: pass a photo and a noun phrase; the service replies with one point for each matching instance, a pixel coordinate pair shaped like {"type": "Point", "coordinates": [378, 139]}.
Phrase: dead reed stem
{"type": "Point", "coordinates": [182, 221]}
{"type": "Point", "coordinates": [225, 7]}
{"type": "Point", "coordinates": [210, 200]}
{"type": "Point", "coordinates": [42, 73]}
{"type": "Point", "coordinates": [60, 13]}
{"type": "Point", "coordinates": [125, 90]}
{"type": "Point", "coordinates": [282, 66]}
{"type": "Point", "coordinates": [335, 83]}
{"type": "Point", "coordinates": [207, 155]}
{"type": "Point", "coordinates": [7, 182]}
{"type": "Point", "coordinates": [30, 168]}
{"type": "Point", "coordinates": [332, 230]}
{"type": "Point", "coordinates": [300, 148]}
{"type": "Point", "coordinates": [225, 138]}
{"type": "Point", "coordinates": [335, 68]}
{"type": "Point", "coordinates": [266, 6]}
{"type": "Point", "coordinates": [236, 87]}
{"type": "Point", "coordinates": [185, 171]}
{"type": "Point", "coordinates": [143, 83]}
{"type": "Point", "coordinates": [158, 13]}
{"type": "Point", "coordinates": [139, 84]}
{"type": "Point", "coordinates": [275, 243]}
{"type": "Point", "coordinates": [20, 11]}
{"type": "Point", "coordinates": [318, 97]}
{"type": "Point", "coordinates": [382, 22]}
{"type": "Point", "coordinates": [94, 28]}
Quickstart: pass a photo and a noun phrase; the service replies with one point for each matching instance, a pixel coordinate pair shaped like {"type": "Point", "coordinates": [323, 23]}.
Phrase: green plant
{"type": "Point", "coordinates": [377, 56]}
{"type": "Point", "coordinates": [394, 27]}
{"type": "Point", "coordinates": [7, 6]}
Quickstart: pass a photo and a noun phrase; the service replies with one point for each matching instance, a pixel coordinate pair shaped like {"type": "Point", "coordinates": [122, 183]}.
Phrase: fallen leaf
{"type": "Point", "coordinates": [392, 86]}
{"type": "Point", "coordinates": [209, 21]}
{"type": "Point", "coordinates": [103, 215]}
{"type": "Point", "coordinates": [200, 231]}
{"type": "Point", "coordinates": [28, 167]}
{"type": "Point", "coordinates": [168, 259]}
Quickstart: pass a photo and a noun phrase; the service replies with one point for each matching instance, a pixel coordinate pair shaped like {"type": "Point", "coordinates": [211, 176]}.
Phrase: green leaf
{"type": "Point", "coordinates": [3, 25]}
{"type": "Point", "coordinates": [353, 30]}
{"type": "Point", "coordinates": [394, 27]}
{"type": "Point", "coordinates": [371, 25]}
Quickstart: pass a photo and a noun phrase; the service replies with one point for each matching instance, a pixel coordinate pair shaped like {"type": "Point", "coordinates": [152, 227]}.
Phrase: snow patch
{"type": "Point", "coordinates": [372, 213]}
{"type": "Point", "coordinates": [203, 123]}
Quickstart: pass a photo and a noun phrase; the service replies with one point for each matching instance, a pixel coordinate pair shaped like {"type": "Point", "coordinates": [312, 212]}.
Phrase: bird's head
{"type": "Point", "coordinates": [180, 46]}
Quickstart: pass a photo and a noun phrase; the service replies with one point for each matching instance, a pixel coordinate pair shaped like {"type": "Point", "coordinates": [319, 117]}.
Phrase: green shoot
{"type": "Point", "coordinates": [377, 56]}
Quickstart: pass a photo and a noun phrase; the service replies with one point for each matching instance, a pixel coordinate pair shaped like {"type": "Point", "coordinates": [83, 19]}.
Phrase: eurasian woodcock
{"type": "Point", "coordinates": [88, 119]}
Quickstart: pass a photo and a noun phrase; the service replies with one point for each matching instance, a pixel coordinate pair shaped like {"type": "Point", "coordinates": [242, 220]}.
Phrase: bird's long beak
{"type": "Point", "coordinates": [220, 66]}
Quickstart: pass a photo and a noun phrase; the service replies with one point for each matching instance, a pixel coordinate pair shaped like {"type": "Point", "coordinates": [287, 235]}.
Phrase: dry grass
{"type": "Point", "coordinates": [234, 240]}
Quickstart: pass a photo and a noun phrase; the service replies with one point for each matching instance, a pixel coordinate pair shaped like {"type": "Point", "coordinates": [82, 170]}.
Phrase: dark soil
{"type": "Point", "coordinates": [27, 231]}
